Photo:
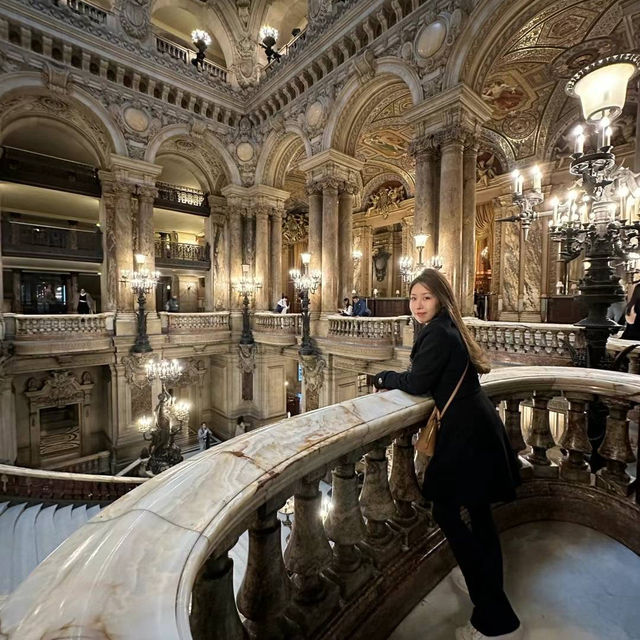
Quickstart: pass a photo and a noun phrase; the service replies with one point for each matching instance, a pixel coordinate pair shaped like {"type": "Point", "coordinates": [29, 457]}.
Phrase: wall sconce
{"type": "Point", "coordinates": [356, 254]}
{"type": "Point", "coordinates": [201, 40]}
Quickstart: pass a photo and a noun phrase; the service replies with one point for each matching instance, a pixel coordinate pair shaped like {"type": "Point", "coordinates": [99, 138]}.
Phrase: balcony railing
{"type": "Point", "coordinates": [34, 240]}
{"type": "Point", "coordinates": [277, 323]}
{"type": "Point", "coordinates": [378, 330]}
{"type": "Point", "coordinates": [182, 254]}
{"type": "Point", "coordinates": [177, 198]}
{"type": "Point", "coordinates": [38, 170]}
{"type": "Point", "coordinates": [67, 326]}
{"type": "Point", "coordinates": [527, 342]}
{"type": "Point", "coordinates": [387, 552]}
{"type": "Point", "coordinates": [95, 14]}
{"type": "Point", "coordinates": [185, 55]}
{"type": "Point", "coordinates": [189, 323]}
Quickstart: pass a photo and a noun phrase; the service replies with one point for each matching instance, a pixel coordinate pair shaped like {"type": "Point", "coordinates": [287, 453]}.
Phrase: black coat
{"type": "Point", "coordinates": [473, 462]}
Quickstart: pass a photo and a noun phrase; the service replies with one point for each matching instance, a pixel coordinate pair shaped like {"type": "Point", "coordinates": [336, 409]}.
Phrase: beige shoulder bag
{"type": "Point", "coordinates": [426, 442]}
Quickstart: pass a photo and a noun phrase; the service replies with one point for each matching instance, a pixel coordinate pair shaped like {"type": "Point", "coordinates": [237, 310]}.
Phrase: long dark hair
{"type": "Point", "coordinates": [441, 289]}
{"type": "Point", "coordinates": [634, 303]}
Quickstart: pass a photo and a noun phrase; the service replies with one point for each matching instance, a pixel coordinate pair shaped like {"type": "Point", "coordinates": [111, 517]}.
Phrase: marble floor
{"type": "Point", "coordinates": [565, 581]}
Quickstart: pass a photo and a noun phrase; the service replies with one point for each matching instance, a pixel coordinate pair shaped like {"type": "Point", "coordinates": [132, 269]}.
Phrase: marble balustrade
{"type": "Point", "coordinates": [195, 322]}
{"type": "Point", "coordinates": [616, 346]}
{"type": "Point", "coordinates": [267, 322]}
{"type": "Point", "coordinates": [383, 330]}
{"type": "Point", "coordinates": [23, 327]}
{"type": "Point", "coordinates": [165, 545]}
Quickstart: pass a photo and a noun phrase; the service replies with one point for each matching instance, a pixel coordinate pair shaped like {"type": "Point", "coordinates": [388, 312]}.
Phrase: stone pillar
{"type": "Point", "coordinates": [123, 242]}
{"type": "Point", "coordinates": [275, 268]}
{"type": "Point", "coordinates": [330, 261]}
{"type": "Point", "coordinates": [262, 257]}
{"type": "Point", "coordinates": [235, 241]}
{"type": "Point", "coordinates": [424, 151]}
{"type": "Point", "coordinates": [450, 219]}
{"type": "Point", "coordinates": [146, 195]}
{"type": "Point", "coordinates": [315, 226]}
{"type": "Point", "coordinates": [219, 287]}
{"type": "Point", "coordinates": [210, 230]}
{"type": "Point", "coordinates": [109, 272]}
{"type": "Point", "coordinates": [8, 431]}
{"type": "Point", "coordinates": [470, 156]}
{"type": "Point", "coordinates": [366, 265]}
{"type": "Point", "coordinates": [248, 238]}
{"type": "Point", "coordinates": [345, 246]}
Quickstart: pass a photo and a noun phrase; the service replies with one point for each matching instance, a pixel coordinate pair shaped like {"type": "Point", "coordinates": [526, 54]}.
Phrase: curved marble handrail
{"type": "Point", "coordinates": [129, 573]}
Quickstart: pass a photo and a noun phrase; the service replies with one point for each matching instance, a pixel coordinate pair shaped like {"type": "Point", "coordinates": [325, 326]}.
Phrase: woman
{"type": "Point", "coordinates": [347, 308]}
{"type": "Point", "coordinates": [632, 316]}
{"type": "Point", "coordinates": [85, 302]}
{"type": "Point", "coordinates": [473, 464]}
{"type": "Point", "coordinates": [204, 437]}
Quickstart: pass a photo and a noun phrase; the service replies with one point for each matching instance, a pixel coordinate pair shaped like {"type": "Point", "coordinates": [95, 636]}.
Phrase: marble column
{"type": "Point", "coordinates": [8, 428]}
{"type": "Point", "coordinates": [235, 241]}
{"type": "Point", "coordinates": [219, 272]}
{"type": "Point", "coordinates": [450, 218]}
{"type": "Point", "coordinates": [366, 264]}
{"type": "Point", "coordinates": [315, 226]}
{"type": "Point", "coordinates": [109, 271]}
{"type": "Point", "coordinates": [210, 230]}
{"type": "Point", "coordinates": [330, 262]}
{"type": "Point", "coordinates": [124, 241]}
{"type": "Point", "coordinates": [425, 152]}
{"type": "Point", "coordinates": [146, 195]}
{"type": "Point", "coordinates": [345, 247]}
{"type": "Point", "coordinates": [275, 268]}
{"type": "Point", "coordinates": [470, 156]}
{"type": "Point", "coordinates": [248, 238]}
{"type": "Point", "coordinates": [262, 258]}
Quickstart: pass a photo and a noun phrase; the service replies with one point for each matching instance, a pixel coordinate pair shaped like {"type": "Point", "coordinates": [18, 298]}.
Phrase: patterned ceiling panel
{"type": "Point", "coordinates": [524, 84]}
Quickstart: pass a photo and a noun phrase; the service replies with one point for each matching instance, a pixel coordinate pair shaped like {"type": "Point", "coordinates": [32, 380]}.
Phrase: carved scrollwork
{"type": "Point", "coordinates": [246, 357]}
{"type": "Point", "coordinates": [135, 18]}
{"type": "Point", "coordinates": [313, 371]}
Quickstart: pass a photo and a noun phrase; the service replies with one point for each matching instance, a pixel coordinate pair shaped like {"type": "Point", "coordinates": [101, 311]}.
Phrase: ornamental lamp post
{"type": "Point", "coordinates": [306, 283]}
{"type": "Point", "coordinates": [246, 287]}
{"type": "Point", "coordinates": [141, 283]}
{"type": "Point", "coordinates": [168, 419]}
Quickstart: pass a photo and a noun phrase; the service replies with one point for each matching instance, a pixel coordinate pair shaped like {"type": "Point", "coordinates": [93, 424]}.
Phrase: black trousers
{"type": "Point", "coordinates": [476, 547]}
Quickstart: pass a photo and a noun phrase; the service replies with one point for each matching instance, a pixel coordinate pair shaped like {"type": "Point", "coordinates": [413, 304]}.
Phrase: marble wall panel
{"type": "Point", "coordinates": [510, 266]}
{"type": "Point", "coordinates": [533, 267]}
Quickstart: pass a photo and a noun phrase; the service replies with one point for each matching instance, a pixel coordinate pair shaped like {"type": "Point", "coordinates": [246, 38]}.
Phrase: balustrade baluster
{"type": "Point", "coordinates": [575, 440]}
{"type": "Point", "coordinates": [377, 505]}
{"type": "Point", "coordinates": [213, 608]}
{"type": "Point", "coordinates": [616, 449]}
{"type": "Point", "coordinates": [513, 425]}
{"type": "Point", "coordinates": [345, 527]}
{"type": "Point", "coordinates": [413, 520]}
{"type": "Point", "coordinates": [306, 555]}
{"type": "Point", "coordinates": [540, 439]}
{"type": "Point", "coordinates": [266, 587]}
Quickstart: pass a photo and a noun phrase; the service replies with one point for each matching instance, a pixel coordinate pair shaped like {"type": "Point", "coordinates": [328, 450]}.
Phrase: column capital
{"type": "Point", "coordinates": [146, 192]}
{"type": "Point", "coordinates": [135, 171]}
{"type": "Point", "coordinates": [218, 219]}
{"type": "Point", "coordinates": [424, 146]}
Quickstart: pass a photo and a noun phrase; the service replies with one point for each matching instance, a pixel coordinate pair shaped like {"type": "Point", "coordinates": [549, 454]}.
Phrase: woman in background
{"type": "Point", "coordinates": [632, 316]}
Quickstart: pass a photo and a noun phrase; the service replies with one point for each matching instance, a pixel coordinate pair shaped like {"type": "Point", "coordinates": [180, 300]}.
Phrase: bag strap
{"type": "Point", "coordinates": [453, 395]}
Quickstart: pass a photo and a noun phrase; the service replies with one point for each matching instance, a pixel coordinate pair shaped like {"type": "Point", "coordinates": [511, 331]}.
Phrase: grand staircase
{"type": "Point", "coordinates": [30, 532]}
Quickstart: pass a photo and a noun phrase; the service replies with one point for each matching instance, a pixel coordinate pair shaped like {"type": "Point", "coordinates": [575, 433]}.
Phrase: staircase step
{"type": "Point", "coordinates": [8, 521]}
{"type": "Point", "coordinates": [25, 557]}
{"type": "Point", "coordinates": [93, 511]}
{"type": "Point", "coordinates": [62, 522]}
{"type": "Point", "coordinates": [3, 506]}
{"type": "Point", "coordinates": [78, 517]}
{"type": "Point", "coordinates": [46, 538]}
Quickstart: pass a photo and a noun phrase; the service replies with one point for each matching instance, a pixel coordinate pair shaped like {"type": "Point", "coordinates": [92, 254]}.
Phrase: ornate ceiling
{"type": "Point", "coordinates": [524, 78]}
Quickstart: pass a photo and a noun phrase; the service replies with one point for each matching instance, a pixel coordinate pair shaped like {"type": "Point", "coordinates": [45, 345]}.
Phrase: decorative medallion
{"type": "Point", "coordinates": [519, 125]}
{"type": "Point", "coordinates": [52, 104]}
{"type": "Point", "coordinates": [185, 145]}
{"type": "Point", "coordinates": [245, 151]}
{"type": "Point", "coordinates": [582, 55]}
{"type": "Point", "coordinates": [136, 119]}
{"type": "Point", "coordinates": [315, 114]}
{"type": "Point", "coordinates": [431, 38]}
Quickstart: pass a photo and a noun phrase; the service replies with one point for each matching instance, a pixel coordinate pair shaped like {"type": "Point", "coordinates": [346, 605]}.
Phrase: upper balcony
{"type": "Point", "coordinates": [185, 55]}
{"type": "Point", "coordinates": [31, 239]}
{"type": "Point", "coordinates": [38, 170]}
{"type": "Point", "coordinates": [182, 254]}
{"type": "Point", "coordinates": [178, 198]}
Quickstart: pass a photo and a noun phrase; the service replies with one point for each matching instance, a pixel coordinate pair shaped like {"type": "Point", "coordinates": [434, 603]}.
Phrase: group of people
{"type": "Point", "coordinates": [354, 307]}
{"type": "Point", "coordinates": [206, 437]}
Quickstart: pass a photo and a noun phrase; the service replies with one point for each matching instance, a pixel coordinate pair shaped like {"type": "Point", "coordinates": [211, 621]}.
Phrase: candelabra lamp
{"type": "Point", "coordinates": [246, 287]}
{"type": "Point", "coordinates": [201, 39]}
{"type": "Point", "coordinates": [269, 37]}
{"type": "Point", "coordinates": [141, 282]}
{"type": "Point", "coordinates": [407, 270]}
{"type": "Point", "coordinates": [306, 282]}
{"type": "Point", "coordinates": [167, 421]}
{"type": "Point", "coordinates": [526, 201]}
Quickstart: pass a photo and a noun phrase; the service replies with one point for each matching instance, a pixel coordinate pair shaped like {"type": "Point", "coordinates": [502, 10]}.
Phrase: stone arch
{"type": "Point", "coordinates": [380, 179]}
{"type": "Point", "coordinates": [24, 95]}
{"type": "Point", "coordinates": [355, 95]}
{"type": "Point", "coordinates": [205, 150]}
{"type": "Point", "coordinates": [277, 152]}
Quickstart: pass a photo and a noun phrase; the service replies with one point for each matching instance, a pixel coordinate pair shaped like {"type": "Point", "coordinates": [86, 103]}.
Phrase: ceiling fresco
{"type": "Point", "coordinates": [523, 81]}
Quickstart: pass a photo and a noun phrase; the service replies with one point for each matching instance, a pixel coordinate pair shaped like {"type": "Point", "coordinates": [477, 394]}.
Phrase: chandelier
{"type": "Point", "coordinates": [304, 280]}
